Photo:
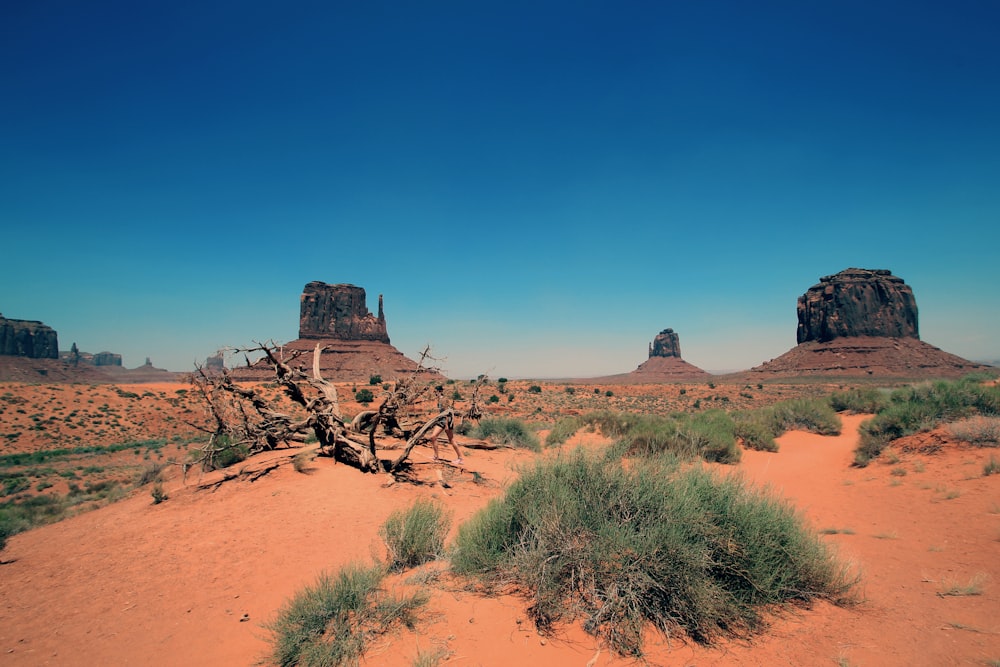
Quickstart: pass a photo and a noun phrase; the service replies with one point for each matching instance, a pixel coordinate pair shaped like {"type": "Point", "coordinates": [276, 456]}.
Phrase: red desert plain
{"type": "Point", "coordinates": [197, 578]}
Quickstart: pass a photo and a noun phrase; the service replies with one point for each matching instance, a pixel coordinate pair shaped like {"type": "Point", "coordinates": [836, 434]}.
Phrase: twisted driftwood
{"type": "Point", "coordinates": [245, 423]}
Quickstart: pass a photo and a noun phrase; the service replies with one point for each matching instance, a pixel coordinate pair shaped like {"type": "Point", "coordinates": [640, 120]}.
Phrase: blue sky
{"type": "Point", "coordinates": [536, 188]}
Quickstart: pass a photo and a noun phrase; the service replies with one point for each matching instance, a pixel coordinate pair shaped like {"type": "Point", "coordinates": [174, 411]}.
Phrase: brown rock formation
{"type": "Point", "coordinates": [339, 312]}
{"type": "Point", "coordinates": [857, 302]}
{"type": "Point", "coordinates": [107, 359]}
{"type": "Point", "coordinates": [875, 356]}
{"type": "Point", "coordinates": [666, 344]}
{"type": "Point", "coordinates": [862, 322]}
{"type": "Point", "coordinates": [355, 343]}
{"type": "Point", "coordinates": [28, 338]}
{"type": "Point", "coordinates": [664, 364]}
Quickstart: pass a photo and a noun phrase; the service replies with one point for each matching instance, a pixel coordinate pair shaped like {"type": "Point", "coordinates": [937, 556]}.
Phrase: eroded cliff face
{"type": "Point", "coordinates": [28, 338]}
{"type": "Point", "coordinates": [666, 344]}
{"type": "Point", "coordinates": [339, 312]}
{"type": "Point", "coordinates": [857, 302]}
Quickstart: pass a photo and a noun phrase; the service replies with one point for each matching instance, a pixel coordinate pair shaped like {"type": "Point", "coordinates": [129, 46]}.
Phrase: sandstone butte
{"type": "Point", "coordinates": [355, 344]}
{"type": "Point", "coordinates": [663, 365]}
{"type": "Point", "coordinates": [861, 322]}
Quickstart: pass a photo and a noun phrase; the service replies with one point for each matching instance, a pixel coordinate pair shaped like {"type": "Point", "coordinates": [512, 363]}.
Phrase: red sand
{"type": "Point", "coordinates": [192, 581]}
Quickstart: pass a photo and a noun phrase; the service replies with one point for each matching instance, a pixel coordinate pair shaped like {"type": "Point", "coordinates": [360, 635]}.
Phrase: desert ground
{"type": "Point", "coordinates": [195, 579]}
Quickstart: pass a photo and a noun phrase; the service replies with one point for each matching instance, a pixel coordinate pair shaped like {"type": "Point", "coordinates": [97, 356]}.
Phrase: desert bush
{"type": "Point", "coordinates": [158, 493]}
{"type": "Point", "coordinates": [534, 389]}
{"type": "Point", "coordinates": [562, 431]}
{"type": "Point", "coordinates": [862, 400]}
{"type": "Point", "coordinates": [375, 379]}
{"type": "Point", "coordinates": [991, 467]}
{"type": "Point", "coordinates": [708, 435]}
{"type": "Point", "coordinates": [807, 414]}
{"type": "Point", "coordinates": [649, 546]}
{"type": "Point", "coordinates": [923, 407]}
{"type": "Point", "coordinates": [301, 461]}
{"type": "Point", "coordinates": [151, 473]}
{"type": "Point", "coordinates": [980, 431]}
{"type": "Point", "coordinates": [507, 431]}
{"type": "Point", "coordinates": [755, 430]}
{"type": "Point", "coordinates": [331, 622]}
{"type": "Point", "coordinates": [364, 396]}
{"type": "Point", "coordinates": [416, 535]}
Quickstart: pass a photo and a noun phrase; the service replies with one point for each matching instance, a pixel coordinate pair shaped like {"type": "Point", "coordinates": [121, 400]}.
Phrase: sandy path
{"type": "Point", "coordinates": [137, 584]}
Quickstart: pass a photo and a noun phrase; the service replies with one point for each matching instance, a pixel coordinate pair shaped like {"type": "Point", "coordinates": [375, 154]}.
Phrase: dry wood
{"type": "Point", "coordinates": [244, 422]}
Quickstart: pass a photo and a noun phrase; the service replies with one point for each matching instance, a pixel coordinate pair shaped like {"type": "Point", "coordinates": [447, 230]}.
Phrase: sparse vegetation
{"type": "Point", "coordinates": [562, 431]}
{"type": "Point", "coordinates": [302, 460]}
{"type": "Point", "coordinates": [861, 400]}
{"type": "Point", "coordinates": [416, 535]}
{"type": "Point", "coordinates": [158, 494]}
{"type": "Point", "coordinates": [364, 396]}
{"type": "Point", "coordinates": [507, 431]}
{"type": "Point", "coordinates": [979, 430]}
{"type": "Point", "coordinates": [974, 586]}
{"type": "Point", "coordinates": [708, 435]}
{"type": "Point", "coordinates": [991, 467]}
{"type": "Point", "coordinates": [922, 407]}
{"type": "Point", "coordinates": [332, 622]}
{"type": "Point", "coordinates": [652, 545]}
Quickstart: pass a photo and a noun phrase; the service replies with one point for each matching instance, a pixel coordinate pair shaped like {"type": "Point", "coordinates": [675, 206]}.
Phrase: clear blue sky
{"type": "Point", "coordinates": [537, 188]}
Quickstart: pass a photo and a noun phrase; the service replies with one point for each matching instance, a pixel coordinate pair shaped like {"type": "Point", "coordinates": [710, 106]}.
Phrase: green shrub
{"type": "Point", "coordinates": [332, 622]}
{"type": "Point", "coordinates": [863, 400]}
{"type": "Point", "coordinates": [923, 407]}
{"type": "Point", "coordinates": [649, 546]}
{"type": "Point", "coordinates": [375, 379]}
{"type": "Point", "coordinates": [416, 535]}
{"type": "Point", "coordinates": [364, 396]}
{"type": "Point", "coordinates": [805, 414]}
{"type": "Point", "coordinates": [755, 430]}
{"type": "Point", "coordinates": [507, 431]}
{"type": "Point", "coordinates": [534, 389]}
{"type": "Point", "coordinates": [562, 431]}
{"type": "Point", "coordinates": [709, 435]}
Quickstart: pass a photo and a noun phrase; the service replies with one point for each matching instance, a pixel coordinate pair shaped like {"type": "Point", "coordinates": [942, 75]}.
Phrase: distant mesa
{"type": "Point", "coordinates": [857, 302]}
{"type": "Point", "coordinates": [339, 312]}
{"type": "Point", "coordinates": [28, 338]}
{"type": "Point", "coordinates": [666, 344]}
{"type": "Point", "coordinates": [663, 365]}
{"type": "Point", "coordinates": [862, 322]}
{"type": "Point", "coordinates": [355, 343]}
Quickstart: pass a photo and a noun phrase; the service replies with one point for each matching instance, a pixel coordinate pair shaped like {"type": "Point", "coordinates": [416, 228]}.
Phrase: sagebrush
{"type": "Point", "coordinates": [651, 545]}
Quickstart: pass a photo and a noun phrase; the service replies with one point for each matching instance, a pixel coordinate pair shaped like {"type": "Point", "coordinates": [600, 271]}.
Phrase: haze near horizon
{"type": "Point", "coordinates": [537, 188]}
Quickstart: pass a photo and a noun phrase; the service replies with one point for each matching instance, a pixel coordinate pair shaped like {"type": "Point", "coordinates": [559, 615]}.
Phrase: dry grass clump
{"type": "Point", "coordinates": [923, 407]}
{"type": "Point", "coordinates": [651, 545]}
{"type": "Point", "coordinates": [416, 535]}
{"type": "Point", "coordinates": [979, 430]}
{"type": "Point", "coordinates": [332, 622]}
{"type": "Point", "coordinates": [507, 431]}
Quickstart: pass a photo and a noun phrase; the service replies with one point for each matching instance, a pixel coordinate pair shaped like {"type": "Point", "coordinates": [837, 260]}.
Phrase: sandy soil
{"type": "Point", "coordinates": [193, 580]}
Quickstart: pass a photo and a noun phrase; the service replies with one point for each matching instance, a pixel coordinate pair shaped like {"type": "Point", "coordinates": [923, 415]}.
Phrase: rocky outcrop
{"type": "Point", "coordinates": [860, 323]}
{"type": "Point", "coordinates": [868, 356]}
{"type": "Point", "coordinates": [666, 344]}
{"type": "Point", "coordinates": [857, 302]}
{"type": "Point", "coordinates": [28, 338]}
{"type": "Point", "coordinates": [339, 312]}
{"type": "Point", "coordinates": [663, 365]}
{"type": "Point", "coordinates": [354, 343]}
{"type": "Point", "coordinates": [107, 359]}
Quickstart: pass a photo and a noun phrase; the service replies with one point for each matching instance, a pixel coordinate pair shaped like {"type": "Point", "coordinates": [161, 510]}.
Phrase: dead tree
{"type": "Point", "coordinates": [244, 421]}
